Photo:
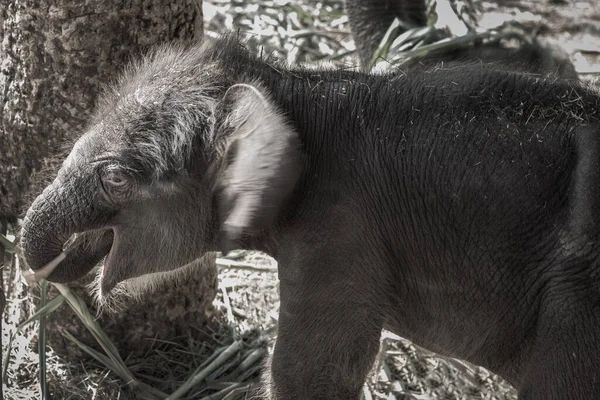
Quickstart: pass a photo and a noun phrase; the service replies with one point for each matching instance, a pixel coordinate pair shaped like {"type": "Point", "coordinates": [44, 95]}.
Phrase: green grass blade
{"type": "Point", "coordinates": [8, 245]}
{"type": "Point", "coordinates": [98, 356]}
{"type": "Point", "coordinates": [143, 390]}
{"type": "Point", "coordinates": [239, 393]}
{"type": "Point", "coordinates": [221, 394]}
{"type": "Point", "coordinates": [112, 360]}
{"type": "Point", "coordinates": [200, 375]}
{"type": "Point", "coordinates": [42, 342]}
{"type": "Point", "coordinates": [82, 311]}
{"type": "Point", "coordinates": [382, 50]}
{"type": "Point", "coordinates": [43, 311]}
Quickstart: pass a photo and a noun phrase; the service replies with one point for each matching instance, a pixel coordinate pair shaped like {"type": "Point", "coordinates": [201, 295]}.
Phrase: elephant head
{"type": "Point", "coordinates": [180, 158]}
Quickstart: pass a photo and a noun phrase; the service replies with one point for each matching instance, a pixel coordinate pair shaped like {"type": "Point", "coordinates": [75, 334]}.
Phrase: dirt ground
{"type": "Point", "coordinates": [402, 370]}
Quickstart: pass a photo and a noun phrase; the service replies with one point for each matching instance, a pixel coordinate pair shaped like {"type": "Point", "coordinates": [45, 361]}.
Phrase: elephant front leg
{"type": "Point", "coordinates": [565, 363]}
{"type": "Point", "coordinates": [327, 341]}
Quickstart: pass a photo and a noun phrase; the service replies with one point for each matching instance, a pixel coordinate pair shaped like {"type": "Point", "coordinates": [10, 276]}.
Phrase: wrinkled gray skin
{"type": "Point", "coordinates": [457, 206]}
{"type": "Point", "coordinates": [369, 20]}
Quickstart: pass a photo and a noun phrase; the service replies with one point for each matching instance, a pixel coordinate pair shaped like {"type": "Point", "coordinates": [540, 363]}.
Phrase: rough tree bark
{"type": "Point", "coordinates": [55, 55]}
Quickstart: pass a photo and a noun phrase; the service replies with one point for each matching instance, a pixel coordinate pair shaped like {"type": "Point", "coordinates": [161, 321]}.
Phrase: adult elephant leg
{"type": "Point", "coordinates": [370, 19]}
{"type": "Point", "coordinates": [566, 357]}
{"type": "Point", "coordinates": [327, 340]}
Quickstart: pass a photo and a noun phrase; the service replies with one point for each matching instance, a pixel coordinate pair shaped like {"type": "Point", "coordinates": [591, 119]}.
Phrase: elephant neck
{"type": "Point", "coordinates": [334, 114]}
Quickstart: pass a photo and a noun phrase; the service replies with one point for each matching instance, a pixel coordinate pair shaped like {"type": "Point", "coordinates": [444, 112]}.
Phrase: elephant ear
{"type": "Point", "coordinates": [261, 164]}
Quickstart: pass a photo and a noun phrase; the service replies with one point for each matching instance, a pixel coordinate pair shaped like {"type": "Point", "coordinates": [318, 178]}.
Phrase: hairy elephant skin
{"type": "Point", "coordinates": [369, 20]}
{"type": "Point", "coordinates": [456, 205]}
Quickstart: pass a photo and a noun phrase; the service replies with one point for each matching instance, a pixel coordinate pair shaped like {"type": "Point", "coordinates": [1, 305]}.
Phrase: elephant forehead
{"type": "Point", "coordinates": [89, 147]}
{"type": "Point", "coordinates": [77, 153]}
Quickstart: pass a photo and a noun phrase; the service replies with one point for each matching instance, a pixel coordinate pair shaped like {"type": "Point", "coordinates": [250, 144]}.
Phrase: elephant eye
{"type": "Point", "coordinates": [115, 184]}
{"type": "Point", "coordinates": [115, 180]}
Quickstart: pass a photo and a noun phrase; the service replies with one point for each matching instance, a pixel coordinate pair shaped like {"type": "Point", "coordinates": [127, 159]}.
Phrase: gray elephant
{"type": "Point", "coordinates": [369, 20]}
{"type": "Point", "coordinates": [456, 205]}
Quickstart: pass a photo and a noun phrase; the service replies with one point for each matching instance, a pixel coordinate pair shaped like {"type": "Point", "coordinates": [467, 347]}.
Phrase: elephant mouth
{"type": "Point", "coordinates": [81, 252]}
{"type": "Point", "coordinates": [111, 260]}
{"type": "Point", "coordinates": [119, 263]}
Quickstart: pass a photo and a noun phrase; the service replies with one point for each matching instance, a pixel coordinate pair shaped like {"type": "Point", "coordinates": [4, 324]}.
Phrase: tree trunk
{"type": "Point", "coordinates": [55, 56]}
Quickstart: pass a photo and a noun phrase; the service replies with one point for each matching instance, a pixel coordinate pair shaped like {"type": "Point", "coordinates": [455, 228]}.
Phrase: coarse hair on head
{"type": "Point", "coordinates": [166, 103]}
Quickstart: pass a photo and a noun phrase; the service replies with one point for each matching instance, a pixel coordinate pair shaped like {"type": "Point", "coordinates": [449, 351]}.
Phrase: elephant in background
{"type": "Point", "coordinates": [369, 20]}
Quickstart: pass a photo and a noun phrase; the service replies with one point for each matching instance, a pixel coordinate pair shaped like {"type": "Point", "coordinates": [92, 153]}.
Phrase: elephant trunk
{"type": "Point", "coordinates": [52, 219]}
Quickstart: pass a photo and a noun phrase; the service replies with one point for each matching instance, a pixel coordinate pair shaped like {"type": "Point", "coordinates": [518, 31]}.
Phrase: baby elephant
{"type": "Point", "coordinates": [457, 205]}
